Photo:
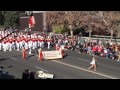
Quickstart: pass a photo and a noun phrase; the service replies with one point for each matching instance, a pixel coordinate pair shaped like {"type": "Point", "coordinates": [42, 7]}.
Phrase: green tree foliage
{"type": "Point", "coordinates": [10, 18]}
{"type": "Point", "coordinates": [2, 18]}
{"type": "Point", "coordinates": [59, 29]}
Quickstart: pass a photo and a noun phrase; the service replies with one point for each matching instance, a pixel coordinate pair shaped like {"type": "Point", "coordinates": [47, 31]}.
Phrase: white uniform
{"type": "Point", "coordinates": [48, 42]}
{"type": "Point", "coordinates": [18, 45]}
{"type": "Point", "coordinates": [7, 45]}
{"type": "Point", "coordinates": [26, 45]}
{"type": "Point", "coordinates": [93, 61]}
{"type": "Point", "coordinates": [4, 46]}
{"type": "Point", "coordinates": [30, 46]}
{"type": "Point", "coordinates": [10, 45]}
{"type": "Point", "coordinates": [13, 44]}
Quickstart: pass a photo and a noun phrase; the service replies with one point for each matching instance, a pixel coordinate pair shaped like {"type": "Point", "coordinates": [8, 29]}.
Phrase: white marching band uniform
{"type": "Point", "coordinates": [10, 45]}
{"type": "Point", "coordinates": [30, 46]}
{"type": "Point", "coordinates": [16, 43]}
{"type": "Point", "coordinates": [48, 42]}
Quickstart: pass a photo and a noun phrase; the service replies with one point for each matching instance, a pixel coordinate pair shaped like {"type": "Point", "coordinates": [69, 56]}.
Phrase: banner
{"type": "Point", "coordinates": [51, 55]}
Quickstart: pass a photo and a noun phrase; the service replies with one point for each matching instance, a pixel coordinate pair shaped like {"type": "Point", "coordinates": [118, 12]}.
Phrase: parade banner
{"type": "Point", "coordinates": [51, 55]}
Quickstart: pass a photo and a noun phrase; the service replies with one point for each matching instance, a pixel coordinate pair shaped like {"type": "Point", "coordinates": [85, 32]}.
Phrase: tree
{"type": "Point", "coordinates": [111, 20]}
{"type": "Point", "coordinates": [95, 22]}
{"type": "Point", "coordinates": [11, 18]}
{"type": "Point", "coordinates": [58, 29]}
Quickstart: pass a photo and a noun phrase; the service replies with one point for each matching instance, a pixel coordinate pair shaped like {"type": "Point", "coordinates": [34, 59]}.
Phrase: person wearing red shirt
{"type": "Point", "coordinates": [31, 21]}
{"type": "Point", "coordinates": [40, 55]}
{"type": "Point", "coordinates": [94, 49]}
{"type": "Point", "coordinates": [99, 50]}
{"type": "Point", "coordinates": [23, 53]}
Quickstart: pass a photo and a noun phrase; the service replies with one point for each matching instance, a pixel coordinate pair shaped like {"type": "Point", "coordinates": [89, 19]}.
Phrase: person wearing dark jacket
{"type": "Point", "coordinates": [25, 74]}
{"type": "Point", "coordinates": [31, 76]}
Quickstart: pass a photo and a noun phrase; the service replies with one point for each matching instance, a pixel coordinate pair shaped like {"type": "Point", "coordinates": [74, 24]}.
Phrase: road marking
{"type": "Point", "coordinates": [41, 69]}
{"type": "Point", "coordinates": [85, 70]}
{"type": "Point", "coordinates": [13, 58]}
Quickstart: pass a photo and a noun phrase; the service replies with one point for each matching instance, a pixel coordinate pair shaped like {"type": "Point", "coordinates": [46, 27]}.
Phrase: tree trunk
{"type": "Point", "coordinates": [111, 34]}
{"type": "Point", "coordinates": [90, 33]}
{"type": "Point", "coordinates": [118, 34]}
{"type": "Point", "coordinates": [71, 32]}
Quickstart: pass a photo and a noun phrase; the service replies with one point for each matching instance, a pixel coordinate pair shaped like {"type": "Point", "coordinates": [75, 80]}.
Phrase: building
{"type": "Point", "coordinates": [40, 20]}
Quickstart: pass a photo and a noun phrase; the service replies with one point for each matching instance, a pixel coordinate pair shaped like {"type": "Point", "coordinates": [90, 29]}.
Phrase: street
{"type": "Point", "coordinates": [73, 66]}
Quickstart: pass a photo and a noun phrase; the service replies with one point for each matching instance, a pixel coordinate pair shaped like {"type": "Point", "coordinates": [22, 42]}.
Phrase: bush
{"type": "Point", "coordinates": [59, 29]}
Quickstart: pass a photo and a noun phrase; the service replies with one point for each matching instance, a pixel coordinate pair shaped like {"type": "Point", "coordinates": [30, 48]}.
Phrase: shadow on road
{"type": "Point", "coordinates": [6, 75]}
{"type": "Point", "coordinates": [30, 56]}
{"type": "Point", "coordinates": [65, 55]}
{"type": "Point", "coordinates": [3, 59]}
{"type": "Point", "coordinates": [17, 56]}
{"type": "Point", "coordinates": [9, 66]}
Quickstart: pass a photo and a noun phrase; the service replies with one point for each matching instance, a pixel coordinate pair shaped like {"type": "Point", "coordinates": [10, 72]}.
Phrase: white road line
{"type": "Point", "coordinates": [85, 70]}
{"type": "Point", "coordinates": [13, 58]}
{"type": "Point", "coordinates": [41, 69]}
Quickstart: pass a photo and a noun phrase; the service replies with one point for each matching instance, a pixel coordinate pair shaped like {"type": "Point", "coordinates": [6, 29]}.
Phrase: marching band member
{"type": "Point", "coordinates": [17, 44]}
{"type": "Point", "coordinates": [33, 41]}
{"type": "Point", "coordinates": [13, 43]}
{"type": "Point", "coordinates": [36, 43]}
{"type": "Point", "coordinates": [4, 45]}
{"type": "Point", "coordinates": [7, 44]}
{"type": "Point", "coordinates": [30, 46]}
{"type": "Point", "coordinates": [26, 44]}
{"type": "Point", "coordinates": [61, 51]}
{"type": "Point", "coordinates": [40, 55]}
{"type": "Point", "coordinates": [48, 42]}
{"type": "Point", "coordinates": [40, 42]}
{"type": "Point", "coordinates": [21, 42]}
{"type": "Point", "coordinates": [10, 44]}
{"type": "Point", "coordinates": [23, 53]}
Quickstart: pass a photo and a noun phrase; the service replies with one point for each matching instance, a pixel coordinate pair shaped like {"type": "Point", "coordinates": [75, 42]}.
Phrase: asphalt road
{"type": "Point", "coordinates": [73, 66]}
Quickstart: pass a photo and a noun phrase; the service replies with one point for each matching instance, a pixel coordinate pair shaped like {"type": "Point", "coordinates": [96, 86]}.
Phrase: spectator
{"type": "Point", "coordinates": [31, 75]}
{"type": "Point", "coordinates": [25, 74]}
